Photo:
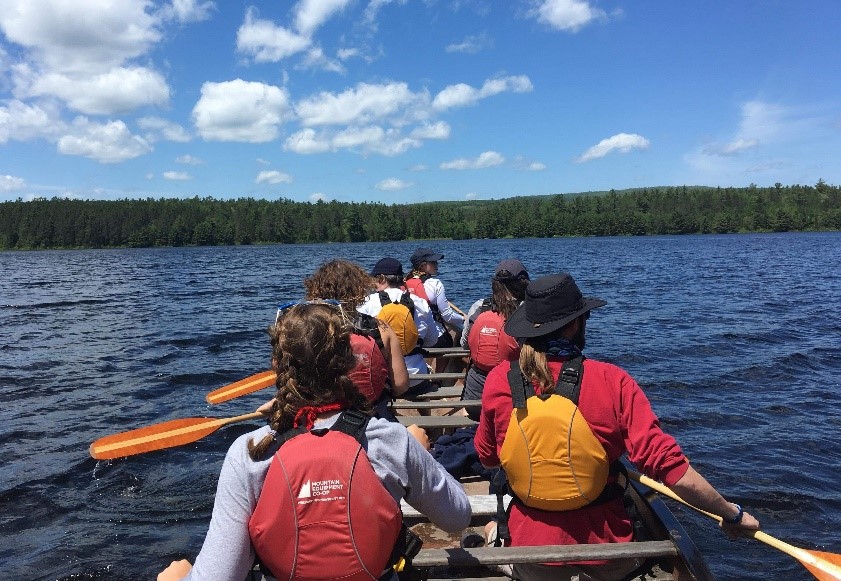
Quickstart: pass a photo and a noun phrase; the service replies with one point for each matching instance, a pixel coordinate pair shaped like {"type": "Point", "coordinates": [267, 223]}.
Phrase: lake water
{"type": "Point", "coordinates": [735, 339]}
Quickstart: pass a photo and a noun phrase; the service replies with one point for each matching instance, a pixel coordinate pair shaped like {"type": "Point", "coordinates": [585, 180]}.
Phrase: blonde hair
{"type": "Point", "coordinates": [312, 357]}
{"type": "Point", "coordinates": [535, 366]}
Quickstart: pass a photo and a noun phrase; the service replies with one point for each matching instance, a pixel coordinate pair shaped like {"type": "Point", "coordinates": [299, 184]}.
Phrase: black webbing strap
{"type": "Point", "coordinates": [384, 298]}
{"type": "Point", "coordinates": [568, 385]}
{"type": "Point", "coordinates": [352, 423]}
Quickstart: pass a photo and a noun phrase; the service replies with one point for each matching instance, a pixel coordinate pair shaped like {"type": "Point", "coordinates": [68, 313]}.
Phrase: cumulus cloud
{"type": "Point", "coordinates": [264, 41]}
{"type": "Point", "coordinates": [306, 141]}
{"type": "Point", "coordinates": [118, 90]}
{"type": "Point", "coordinates": [356, 106]}
{"type": "Point", "coordinates": [110, 142]}
{"type": "Point", "coordinates": [418, 167]}
{"type": "Point", "coordinates": [393, 185]}
{"type": "Point", "coordinates": [733, 148]}
{"type": "Point", "coordinates": [11, 183]}
{"type": "Point", "coordinates": [189, 160]}
{"type": "Point", "coordinates": [622, 142]}
{"type": "Point", "coordinates": [535, 166]}
{"type": "Point", "coordinates": [177, 176]}
{"type": "Point", "coordinates": [318, 197]}
{"type": "Point", "coordinates": [438, 130]}
{"type": "Point", "coordinates": [471, 196]}
{"type": "Point", "coordinates": [311, 14]}
{"type": "Point", "coordinates": [485, 160]}
{"type": "Point", "coordinates": [462, 95]}
{"type": "Point", "coordinates": [566, 15]}
{"type": "Point", "coordinates": [241, 111]}
{"type": "Point", "coordinates": [262, 161]}
{"type": "Point", "coordinates": [157, 128]}
{"type": "Point", "coordinates": [273, 177]}
{"type": "Point", "coordinates": [22, 122]}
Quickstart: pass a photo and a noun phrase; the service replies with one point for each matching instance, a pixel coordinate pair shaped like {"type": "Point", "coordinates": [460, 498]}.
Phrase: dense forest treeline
{"type": "Point", "coordinates": [67, 223]}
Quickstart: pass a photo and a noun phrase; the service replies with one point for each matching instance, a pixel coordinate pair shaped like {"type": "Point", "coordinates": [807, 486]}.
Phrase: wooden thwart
{"type": "Point", "coordinates": [482, 505]}
{"type": "Point", "coordinates": [436, 404]}
{"type": "Point", "coordinates": [440, 393]}
{"type": "Point", "coordinates": [431, 422]}
{"type": "Point", "coordinates": [436, 376]}
{"type": "Point", "coordinates": [542, 554]}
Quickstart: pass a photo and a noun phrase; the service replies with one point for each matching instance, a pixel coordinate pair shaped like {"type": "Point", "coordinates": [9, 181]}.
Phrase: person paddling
{"type": "Point", "coordinates": [315, 401]}
{"type": "Point", "coordinates": [584, 503]}
{"type": "Point", "coordinates": [422, 281]}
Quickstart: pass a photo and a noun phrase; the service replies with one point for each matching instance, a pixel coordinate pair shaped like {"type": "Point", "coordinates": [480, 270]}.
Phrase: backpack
{"type": "Point", "coordinates": [550, 456]}
{"type": "Point", "coordinates": [400, 317]}
{"type": "Point", "coordinates": [323, 512]}
{"type": "Point", "coordinates": [489, 343]}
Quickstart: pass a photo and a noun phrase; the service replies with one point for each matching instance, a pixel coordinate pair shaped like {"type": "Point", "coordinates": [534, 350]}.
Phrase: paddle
{"type": "Point", "coordinates": [242, 387]}
{"type": "Point", "coordinates": [160, 436]}
{"type": "Point", "coordinates": [456, 309]}
{"type": "Point", "coordinates": [824, 566]}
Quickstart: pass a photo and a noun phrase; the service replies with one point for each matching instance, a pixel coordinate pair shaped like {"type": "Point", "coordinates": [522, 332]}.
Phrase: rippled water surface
{"type": "Point", "coordinates": [735, 339]}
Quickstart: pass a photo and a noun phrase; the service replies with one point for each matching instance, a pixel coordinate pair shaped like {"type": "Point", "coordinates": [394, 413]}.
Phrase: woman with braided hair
{"type": "Point", "coordinates": [312, 356]}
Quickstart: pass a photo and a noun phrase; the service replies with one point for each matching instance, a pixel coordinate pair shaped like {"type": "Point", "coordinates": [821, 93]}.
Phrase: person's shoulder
{"type": "Point", "coordinates": [393, 434]}
{"type": "Point", "coordinates": [238, 452]}
{"type": "Point", "coordinates": [609, 371]}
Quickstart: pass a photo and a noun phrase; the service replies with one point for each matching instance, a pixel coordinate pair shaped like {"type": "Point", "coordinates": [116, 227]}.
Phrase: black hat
{"type": "Point", "coordinates": [388, 266]}
{"type": "Point", "coordinates": [551, 302]}
{"type": "Point", "coordinates": [510, 268]}
{"type": "Point", "coordinates": [425, 255]}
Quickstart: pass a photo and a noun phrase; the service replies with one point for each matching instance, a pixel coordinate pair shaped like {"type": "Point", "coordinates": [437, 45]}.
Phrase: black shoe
{"type": "Point", "coordinates": [471, 539]}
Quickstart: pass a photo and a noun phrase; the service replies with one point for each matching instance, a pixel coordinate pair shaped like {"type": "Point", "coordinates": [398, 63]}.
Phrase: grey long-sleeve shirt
{"type": "Point", "coordinates": [405, 468]}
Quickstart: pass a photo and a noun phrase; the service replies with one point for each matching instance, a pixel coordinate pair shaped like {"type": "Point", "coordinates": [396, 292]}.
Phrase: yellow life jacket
{"type": "Point", "coordinates": [400, 317]}
{"type": "Point", "coordinates": [551, 457]}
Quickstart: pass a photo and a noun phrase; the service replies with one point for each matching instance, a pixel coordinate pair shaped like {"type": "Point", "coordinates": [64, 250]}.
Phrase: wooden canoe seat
{"type": "Point", "coordinates": [440, 393]}
{"type": "Point", "coordinates": [482, 505]}
{"type": "Point", "coordinates": [433, 422]}
{"type": "Point", "coordinates": [435, 404]}
{"type": "Point", "coordinates": [436, 376]}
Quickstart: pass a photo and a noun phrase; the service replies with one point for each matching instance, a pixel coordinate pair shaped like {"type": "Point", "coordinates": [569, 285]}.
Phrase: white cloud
{"type": "Point", "coordinates": [356, 106]}
{"type": "Point", "coordinates": [189, 10]}
{"type": "Point", "coordinates": [241, 111]}
{"type": "Point", "coordinates": [438, 130]}
{"type": "Point", "coordinates": [22, 122]}
{"type": "Point", "coordinates": [189, 160]}
{"type": "Point", "coordinates": [84, 36]}
{"type": "Point", "coordinates": [470, 45]}
{"type": "Point", "coordinates": [117, 91]}
{"type": "Point", "coordinates": [471, 196]}
{"type": "Point", "coordinates": [311, 14]}
{"type": "Point", "coordinates": [622, 142]}
{"type": "Point", "coordinates": [262, 161]}
{"type": "Point", "coordinates": [734, 147]}
{"type": "Point", "coordinates": [566, 15]}
{"type": "Point", "coordinates": [110, 142]}
{"type": "Point", "coordinates": [264, 41]}
{"type": "Point", "coordinates": [318, 196]}
{"type": "Point", "coordinates": [177, 176]}
{"type": "Point", "coordinates": [316, 59]}
{"type": "Point", "coordinates": [306, 141]}
{"type": "Point", "coordinates": [485, 160]}
{"type": "Point", "coordinates": [418, 167]}
{"type": "Point", "coordinates": [273, 177]}
{"type": "Point", "coordinates": [393, 185]}
{"type": "Point", "coordinates": [535, 166]}
{"type": "Point", "coordinates": [11, 183]}
{"type": "Point", "coordinates": [347, 53]}
{"type": "Point", "coordinates": [157, 128]}
{"type": "Point", "coordinates": [462, 95]}
{"type": "Point", "coordinates": [149, 176]}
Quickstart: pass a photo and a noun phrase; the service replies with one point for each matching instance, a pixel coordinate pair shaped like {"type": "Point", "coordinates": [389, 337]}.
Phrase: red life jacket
{"type": "Point", "coordinates": [489, 343]}
{"type": "Point", "coordinates": [323, 512]}
{"type": "Point", "coordinates": [371, 372]}
{"type": "Point", "coordinates": [415, 286]}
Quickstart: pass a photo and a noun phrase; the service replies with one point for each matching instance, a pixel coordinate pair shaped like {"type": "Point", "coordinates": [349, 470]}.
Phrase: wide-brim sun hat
{"type": "Point", "coordinates": [425, 255]}
{"type": "Point", "coordinates": [551, 302]}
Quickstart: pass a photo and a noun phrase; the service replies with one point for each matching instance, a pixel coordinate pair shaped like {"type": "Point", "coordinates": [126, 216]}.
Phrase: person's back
{"type": "Point", "coordinates": [551, 328]}
{"type": "Point", "coordinates": [312, 356]}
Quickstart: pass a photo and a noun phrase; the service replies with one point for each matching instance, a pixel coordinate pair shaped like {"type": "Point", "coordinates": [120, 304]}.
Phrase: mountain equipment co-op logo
{"type": "Point", "coordinates": [320, 491]}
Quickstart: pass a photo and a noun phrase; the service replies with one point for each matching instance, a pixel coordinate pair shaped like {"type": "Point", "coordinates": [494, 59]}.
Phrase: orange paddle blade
{"type": "Point", "coordinates": [825, 567]}
{"type": "Point", "coordinates": [160, 436]}
{"type": "Point", "coordinates": [242, 387]}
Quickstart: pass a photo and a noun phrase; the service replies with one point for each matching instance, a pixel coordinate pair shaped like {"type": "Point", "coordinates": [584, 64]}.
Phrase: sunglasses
{"type": "Point", "coordinates": [282, 309]}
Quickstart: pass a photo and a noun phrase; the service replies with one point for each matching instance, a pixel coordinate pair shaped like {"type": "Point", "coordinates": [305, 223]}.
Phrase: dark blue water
{"type": "Point", "coordinates": [735, 339]}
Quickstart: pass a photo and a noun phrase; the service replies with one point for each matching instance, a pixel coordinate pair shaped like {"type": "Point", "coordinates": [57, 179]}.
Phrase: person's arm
{"type": "Point", "coordinates": [496, 402]}
{"type": "Point", "coordinates": [227, 554]}
{"type": "Point", "coordinates": [427, 329]}
{"type": "Point", "coordinates": [694, 489]}
{"type": "Point", "coordinates": [393, 354]}
{"type": "Point", "coordinates": [434, 492]}
{"type": "Point", "coordinates": [466, 330]}
{"type": "Point", "coordinates": [439, 297]}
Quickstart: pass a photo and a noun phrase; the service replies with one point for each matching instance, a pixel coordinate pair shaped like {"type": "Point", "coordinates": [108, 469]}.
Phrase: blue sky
{"type": "Point", "coordinates": [402, 101]}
